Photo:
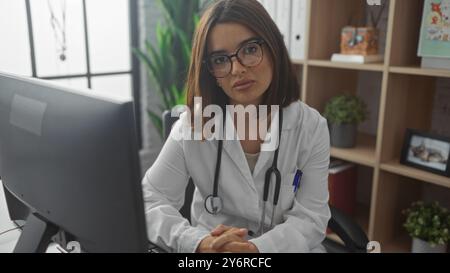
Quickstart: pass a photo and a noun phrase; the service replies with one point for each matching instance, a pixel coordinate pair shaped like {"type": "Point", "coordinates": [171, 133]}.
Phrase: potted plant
{"type": "Point", "coordinates": [428, 225]}
{"type": "Point", "coordinates": [167, 61]}
{"type": "Point", "coordinates": [344, 113]}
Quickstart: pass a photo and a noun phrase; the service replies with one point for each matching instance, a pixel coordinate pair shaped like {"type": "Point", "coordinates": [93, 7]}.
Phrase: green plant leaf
{"type": "Point", "coordinates": [153, 60]}
{"type": "Point", "coordinates": [152, 70]}
{"type": "Point", "coordinates": [167, 61]}
{"type": "Point", "coordinates": [179, 95]}
{"type": "Point", "coordinates": [185, 45]}
{"type": "Point", "coordinates": [346, 109]}
{"type": "Point", "coordinates": [159, 73]}
{"type": "Point", "coordinates": [429, 222]}
{"type": "Point", "coordinates": [157, 121]}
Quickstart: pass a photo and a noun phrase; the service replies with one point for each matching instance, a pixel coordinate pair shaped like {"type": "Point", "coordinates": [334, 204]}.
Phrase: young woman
{"type": "Point", "coordinates": [247, 199]}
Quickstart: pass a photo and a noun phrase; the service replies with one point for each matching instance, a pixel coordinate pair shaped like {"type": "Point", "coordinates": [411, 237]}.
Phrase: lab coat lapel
{"type": "Point", "coordinates": [266, 156]}
{"type": "Point", "coordinates": [233, 149]}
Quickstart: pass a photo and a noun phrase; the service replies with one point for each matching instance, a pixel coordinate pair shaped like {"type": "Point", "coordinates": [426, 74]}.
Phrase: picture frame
{"type": "Point", "coordinates": [426, 151]}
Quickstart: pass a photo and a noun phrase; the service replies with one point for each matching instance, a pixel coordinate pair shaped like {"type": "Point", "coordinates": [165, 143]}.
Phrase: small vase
{"type": "Point", "coordinates": [420, 246]}
{"type": "Point", "coordinates": [343, 135]}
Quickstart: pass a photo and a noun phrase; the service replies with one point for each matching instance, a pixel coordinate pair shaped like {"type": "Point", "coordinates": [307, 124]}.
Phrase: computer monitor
{"type": "Point", "coordinates": [71, 158]}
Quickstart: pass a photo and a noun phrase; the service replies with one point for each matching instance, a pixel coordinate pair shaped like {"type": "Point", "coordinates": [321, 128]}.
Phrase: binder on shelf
{"type": "Point", "coordinates": [283, 20]}
{"type": "Point", "coordinates": [360, 59]}
{"type": "Point", "coordinates": [262, 2]}
{"type": "Point", "coordinates": [342, 181]}
{"type": "Point", "coordinates": [271, 7]}
{"type": "Point", "coordinates": [298, 29]}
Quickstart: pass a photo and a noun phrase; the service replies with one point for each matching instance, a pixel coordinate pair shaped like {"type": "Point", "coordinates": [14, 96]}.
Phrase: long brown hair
{"type": "Point", "coordinates": [284, 88]}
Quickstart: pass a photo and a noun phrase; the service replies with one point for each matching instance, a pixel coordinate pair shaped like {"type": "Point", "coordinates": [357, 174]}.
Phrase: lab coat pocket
{"type": "Point", "coordinates": [287, 193]}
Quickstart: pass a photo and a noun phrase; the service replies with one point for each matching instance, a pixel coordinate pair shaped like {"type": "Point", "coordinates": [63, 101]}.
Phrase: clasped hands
{"type": "Point", "coordinates": [225, 239]}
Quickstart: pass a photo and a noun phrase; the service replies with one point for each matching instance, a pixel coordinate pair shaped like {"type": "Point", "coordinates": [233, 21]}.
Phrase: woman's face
{"type": "Point", "coordinates": [227, 39]}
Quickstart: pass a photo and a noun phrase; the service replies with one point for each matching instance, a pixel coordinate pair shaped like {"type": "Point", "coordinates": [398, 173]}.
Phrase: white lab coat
{"type": "Point", "coordinates": [301, 220]}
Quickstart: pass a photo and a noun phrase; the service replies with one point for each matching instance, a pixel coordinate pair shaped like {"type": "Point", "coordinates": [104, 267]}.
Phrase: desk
{"type": "Point", "coordinates": [9, 240]}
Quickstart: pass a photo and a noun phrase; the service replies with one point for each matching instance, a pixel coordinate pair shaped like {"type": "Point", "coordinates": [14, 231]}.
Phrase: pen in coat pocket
{"type": "Point", "coordinates": [297, 180]}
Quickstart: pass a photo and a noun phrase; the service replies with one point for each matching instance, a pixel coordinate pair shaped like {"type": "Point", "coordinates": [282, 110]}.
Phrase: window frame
{"type": "Point", "coordinates": [135, 65]}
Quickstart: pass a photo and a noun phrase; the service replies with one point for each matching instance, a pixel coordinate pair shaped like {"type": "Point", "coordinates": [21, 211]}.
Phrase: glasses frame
{"type": "Point", "coordinates": [258, 41]}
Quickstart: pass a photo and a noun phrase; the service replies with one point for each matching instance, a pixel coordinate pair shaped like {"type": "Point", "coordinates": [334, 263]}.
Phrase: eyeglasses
{"type": "Point", "coordinates": [248, 55]}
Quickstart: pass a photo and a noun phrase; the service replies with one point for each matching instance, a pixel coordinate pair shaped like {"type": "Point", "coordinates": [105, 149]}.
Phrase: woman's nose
{"type": "Point", "coordinates": [237, 67]}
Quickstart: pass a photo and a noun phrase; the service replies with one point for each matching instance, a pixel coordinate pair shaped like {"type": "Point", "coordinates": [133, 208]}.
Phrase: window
{"type": "Point", "coordinates": [109, 41]}
{"type": "Point", "coordinates": [15, 50]}
{"type": "Point", "coordinates": [78, 43]}
{"type": "Point", "coordinates": [51, 35]}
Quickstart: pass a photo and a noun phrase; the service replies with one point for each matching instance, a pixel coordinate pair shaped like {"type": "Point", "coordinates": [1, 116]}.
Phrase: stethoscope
{"type": "Point", "coordinates": [214, 203]}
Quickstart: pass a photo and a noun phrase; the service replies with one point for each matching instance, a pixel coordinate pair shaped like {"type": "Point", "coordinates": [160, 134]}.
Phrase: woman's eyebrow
{"type": "Point", "coordinates": [240, 44]}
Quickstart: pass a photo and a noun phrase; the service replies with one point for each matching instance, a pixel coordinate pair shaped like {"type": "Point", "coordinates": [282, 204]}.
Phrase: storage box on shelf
{"type": "Point", "coordinates": [357, 192]}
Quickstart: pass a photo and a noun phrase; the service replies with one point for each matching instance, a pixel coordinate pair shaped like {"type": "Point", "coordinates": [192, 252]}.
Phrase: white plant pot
{"type": "Point", "coordinates": [420, 246]}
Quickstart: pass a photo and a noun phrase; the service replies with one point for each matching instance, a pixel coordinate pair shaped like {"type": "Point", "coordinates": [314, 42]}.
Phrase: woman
{"type": "Point", "coordinates": [239, 58]}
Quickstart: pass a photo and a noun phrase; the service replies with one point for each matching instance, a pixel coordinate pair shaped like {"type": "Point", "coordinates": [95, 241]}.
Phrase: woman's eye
{"type": "Point", "coordinates": [219, 60]}
{"type": "Point", "coordinates": [251, 49]}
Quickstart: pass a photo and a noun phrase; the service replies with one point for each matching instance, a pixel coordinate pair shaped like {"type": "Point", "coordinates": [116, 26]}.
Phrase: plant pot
{"type": "Point", "coordinates": [420, 246]}
{"type": "Point", "coordinates": [343, 135]}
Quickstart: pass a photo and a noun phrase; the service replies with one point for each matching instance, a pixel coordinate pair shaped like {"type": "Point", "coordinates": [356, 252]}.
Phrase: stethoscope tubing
{"type": "Point", "coordinates": [215, 202]}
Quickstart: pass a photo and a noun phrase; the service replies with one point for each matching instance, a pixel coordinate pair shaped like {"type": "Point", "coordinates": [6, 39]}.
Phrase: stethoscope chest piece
{"type": "Point", "coordinates": [213, 205]}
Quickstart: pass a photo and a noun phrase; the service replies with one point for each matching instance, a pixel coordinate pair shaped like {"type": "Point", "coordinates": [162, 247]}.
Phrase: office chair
{"type": "Point", "coordinates": [354, 238]}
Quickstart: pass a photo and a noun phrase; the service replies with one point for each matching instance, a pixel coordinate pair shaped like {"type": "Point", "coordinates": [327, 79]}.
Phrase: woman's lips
{"type": "Point", "coordinates": [244, 86]}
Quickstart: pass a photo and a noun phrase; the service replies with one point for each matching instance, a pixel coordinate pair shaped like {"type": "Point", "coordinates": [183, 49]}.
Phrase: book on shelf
{"type": "Point", "coordinates": [290, 16]}
{"type": "Point", "coordinates": [360, 59]}
{"type": "Point", "coordinates": [283, 21]}
{"type": "Point", "coordinates": [435, 63]}
{"type": "Point", "coordinates": [434, 40]}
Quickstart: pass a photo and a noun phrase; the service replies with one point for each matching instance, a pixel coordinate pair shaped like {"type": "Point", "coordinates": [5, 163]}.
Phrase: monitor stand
{"type": "Point", "coordinates": [36, 235]}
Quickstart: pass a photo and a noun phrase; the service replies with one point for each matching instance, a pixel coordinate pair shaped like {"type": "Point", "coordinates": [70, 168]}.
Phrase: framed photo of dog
{"type": "Point", "coordinates": [426, 151]}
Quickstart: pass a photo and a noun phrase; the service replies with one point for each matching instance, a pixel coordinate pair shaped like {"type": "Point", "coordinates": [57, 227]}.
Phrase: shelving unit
{"type": "Point", "coordinates": [397, 168]}
{"type": "Point", "coordinates": [405, 100]}
{"type": "Point", "coordinates": [415, 70]}
{"type": "Point", "coordinates": [330, 64]}
{"type": "Point", "coordinates": [363, 153]}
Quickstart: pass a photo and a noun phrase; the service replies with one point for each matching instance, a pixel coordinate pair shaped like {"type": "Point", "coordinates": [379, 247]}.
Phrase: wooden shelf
{"type": "Point", "coordinates": [363, 153]}
{"type": "Point", "coordinates": [395, 167]}
{"type": "Point", "coordinates": [416, 70]}
{"type": "Point", "coordinates": [353, 66]}
{"type": "Point", "coordinates": [298, 62]}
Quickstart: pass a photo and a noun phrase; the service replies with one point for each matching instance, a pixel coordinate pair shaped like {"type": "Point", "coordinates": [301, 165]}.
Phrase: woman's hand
{"type": "Point", "coordinates": [228, 239]}
{"type": "Point", "coordinates": [205, 245]}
